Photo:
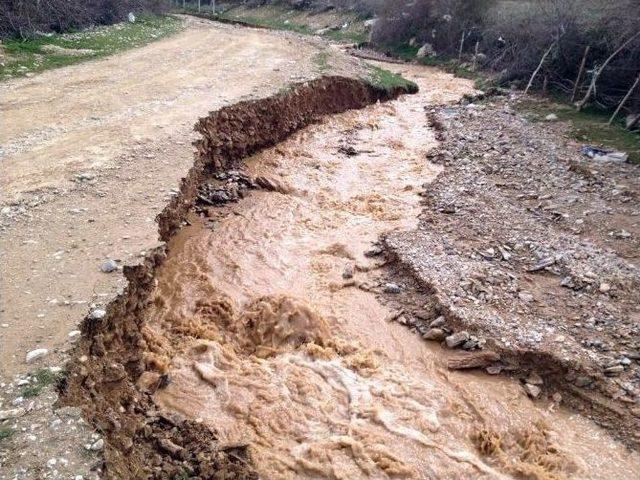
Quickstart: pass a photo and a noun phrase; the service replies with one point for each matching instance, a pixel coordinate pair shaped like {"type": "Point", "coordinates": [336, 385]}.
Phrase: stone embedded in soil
{"type": "Point", "coordinates": [11, 413]}
{"type": "Point", "coordinates": [96, 314]}
{"type": "Point", "coordinates": [542, 264]}
{"type": "Point", "coordinates": [374, 252]}
{"type": "Point", "coordinates": [36, 354]}
{"type": "Point", "coordinates": [457, 339]}
{"type": "Point", "coordinates": [348, 272]}
{"type": "Point", "coordinates": [393, 288]}
{"type": "Point", "coordinates": [614, 370]}
{"type": "Point", "coordinates": [97, 445]}
{"type": "Point", "coordinates": [438, 322]}
{"type": "Point", "coordinates": [583, 381]}
{"type": "Point", "coordinates": [73, 335]}
{"type": "Point", "coordinates": [108, 266]}
{"type": "Point", "coordinates": [435, 334]}
{"type": "Point", "coordinates": [532, 391]}
{"type": "Point", "coordinates": [535, 379]}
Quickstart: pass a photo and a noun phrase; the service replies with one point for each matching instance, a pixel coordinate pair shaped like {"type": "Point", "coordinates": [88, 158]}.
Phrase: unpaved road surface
{"type": "Point", "coordinates": [93, 152]}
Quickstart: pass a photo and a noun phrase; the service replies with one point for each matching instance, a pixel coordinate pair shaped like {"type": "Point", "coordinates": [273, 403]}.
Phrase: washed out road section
{"type": "Point", "coordinates": [91, 154]}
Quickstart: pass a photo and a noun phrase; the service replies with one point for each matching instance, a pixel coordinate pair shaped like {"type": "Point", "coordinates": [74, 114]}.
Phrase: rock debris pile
{"type": "Point", "coordinates": [533, 248]}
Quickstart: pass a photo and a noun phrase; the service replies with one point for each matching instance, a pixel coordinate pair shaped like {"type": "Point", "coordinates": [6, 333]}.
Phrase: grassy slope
{"type": "Point", "coordinates": [28, 56]}
{"type": "Point", "coordinates": [281, 18]}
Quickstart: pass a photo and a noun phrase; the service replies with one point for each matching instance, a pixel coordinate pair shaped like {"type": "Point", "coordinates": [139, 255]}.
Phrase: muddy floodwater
{"type": "Point", "coordinates": [290, 351]}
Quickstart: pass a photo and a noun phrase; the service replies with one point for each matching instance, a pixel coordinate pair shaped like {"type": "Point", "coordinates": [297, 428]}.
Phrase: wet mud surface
{"type": "Point", "coordinates": [263, 341]}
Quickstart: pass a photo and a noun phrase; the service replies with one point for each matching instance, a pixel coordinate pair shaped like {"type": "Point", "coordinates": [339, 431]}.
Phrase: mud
{"type": "Point", "coordinates": [259, 343]}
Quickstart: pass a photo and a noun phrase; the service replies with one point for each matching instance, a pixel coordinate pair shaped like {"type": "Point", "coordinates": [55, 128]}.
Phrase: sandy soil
{"type": "Point", "coordinates": [93, 151]}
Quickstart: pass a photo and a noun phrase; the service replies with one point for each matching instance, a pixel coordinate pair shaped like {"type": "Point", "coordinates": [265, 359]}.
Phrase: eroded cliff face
{"type": "Point", "coordinates": [116, 369]}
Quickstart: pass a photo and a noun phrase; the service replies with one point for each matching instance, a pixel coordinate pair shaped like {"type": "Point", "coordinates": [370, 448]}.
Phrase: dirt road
{"type": "Point", "coordinates": [93, 151]}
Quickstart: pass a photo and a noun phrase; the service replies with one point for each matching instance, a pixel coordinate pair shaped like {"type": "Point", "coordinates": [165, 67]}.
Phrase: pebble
{"type": "Point", "coordinates": [108, 266]}
{"type": "Point", "coordinates": [535, 379]}
{"type": "Point", "coordinates": [605, 287]}
{"type": "Point", "coordinates": [457, 339]}
{"type": "Point", "coordinates": [614, 370]}
{"type": "Point", "coordinates": [525, 297]}
{"type": "Point", "coordinates": [348, 272]}
{"type": "Point", "coordinates": [96, 314]}
{"type": "Point", "coordinates": [34, 355]}
{"type": "Point", "coordinates": [435, 334]}
{"type": "Point", "coordinates": [583, 382]}
{"type": "Point", "coordinates": [374, 252]}
{"type": "Point", "coordinates": [97, 445]}
{"type": "Point", "coordinates": [392, 288]}
{"type": "Point", "coordinates": [11, 413]}
{"type": "Point", "coordinates": [438, 322]}
{"type": "Point", "coordinates": [73, 335]}
{"type": "Point", "coordinates": [533, 391]}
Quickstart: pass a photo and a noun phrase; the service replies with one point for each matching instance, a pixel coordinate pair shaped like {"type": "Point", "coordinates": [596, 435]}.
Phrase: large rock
{"type": "Point", "coordinates": [426, 50]}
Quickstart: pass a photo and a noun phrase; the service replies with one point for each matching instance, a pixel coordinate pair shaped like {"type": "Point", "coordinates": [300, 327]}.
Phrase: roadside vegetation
{"type": "Point", "coordinates": [39, 381]}
{"type": "Point", "coordinates": [44, 51]}
{"type": "Point", "coordinates": [588, 126]}
{"type": "Point", "coordinates": [389, 81]}
{"type": "Point", "coordinates": [341, 26]}
{"type": "Point", "coordinates": [583, 56]}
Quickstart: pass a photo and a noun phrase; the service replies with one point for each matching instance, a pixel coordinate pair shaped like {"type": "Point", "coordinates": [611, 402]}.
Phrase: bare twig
{"type": "Point", "coordinates": [544, 57]}
{"type": "Point", "coordinates": [592, 85]}
{"type": "Point", "coordinates": [475, 57]}
{"type": "Point", "coordinates": [461, 46]}
{"type": "Point", "coordinates": [624, 100]}
{"type": "Point", "coordinates": [580, 72]}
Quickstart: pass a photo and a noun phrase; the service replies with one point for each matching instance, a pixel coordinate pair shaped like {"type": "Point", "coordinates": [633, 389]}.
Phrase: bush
{"type": "Point", "coordinates": [25, 18]}
{"type": "Point", "coordinates": [513, 35]}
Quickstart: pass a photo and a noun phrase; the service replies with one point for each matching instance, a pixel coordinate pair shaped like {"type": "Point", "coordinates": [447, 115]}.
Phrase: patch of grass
{"type": "Point", "coordinates": [40, 379]}
{"type": "Point", "coordinates": [461, 70]}
{"type": "Point", "coordinates": [33, 54]}
{"type": "Point", "coordinates": [588, 126]}
{"type": "Point", "coordinates": [389, 81]}
{"type": "Point", "coordinates": [321, 60]}
{"type": "Point", "coordinates": [5, 433]}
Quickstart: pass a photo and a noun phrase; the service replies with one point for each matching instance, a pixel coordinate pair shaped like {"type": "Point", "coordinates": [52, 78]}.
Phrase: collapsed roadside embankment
{"type": "Point", "coordinates": [106, 376]}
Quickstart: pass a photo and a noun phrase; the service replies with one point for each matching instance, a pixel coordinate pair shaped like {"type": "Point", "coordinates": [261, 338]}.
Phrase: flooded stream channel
{"type": "Point", "coordinates": [290, 351]}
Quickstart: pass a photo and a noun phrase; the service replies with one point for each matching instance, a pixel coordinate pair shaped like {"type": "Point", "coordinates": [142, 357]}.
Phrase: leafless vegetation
{"type": "Point", "coordinates": [24, 18]}
{"type": "Point", "coordinates": [514, 35]}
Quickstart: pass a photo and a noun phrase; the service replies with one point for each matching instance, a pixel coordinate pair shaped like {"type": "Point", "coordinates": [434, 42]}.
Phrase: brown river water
{"type": "Point", "coordinates": [288, 358]}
